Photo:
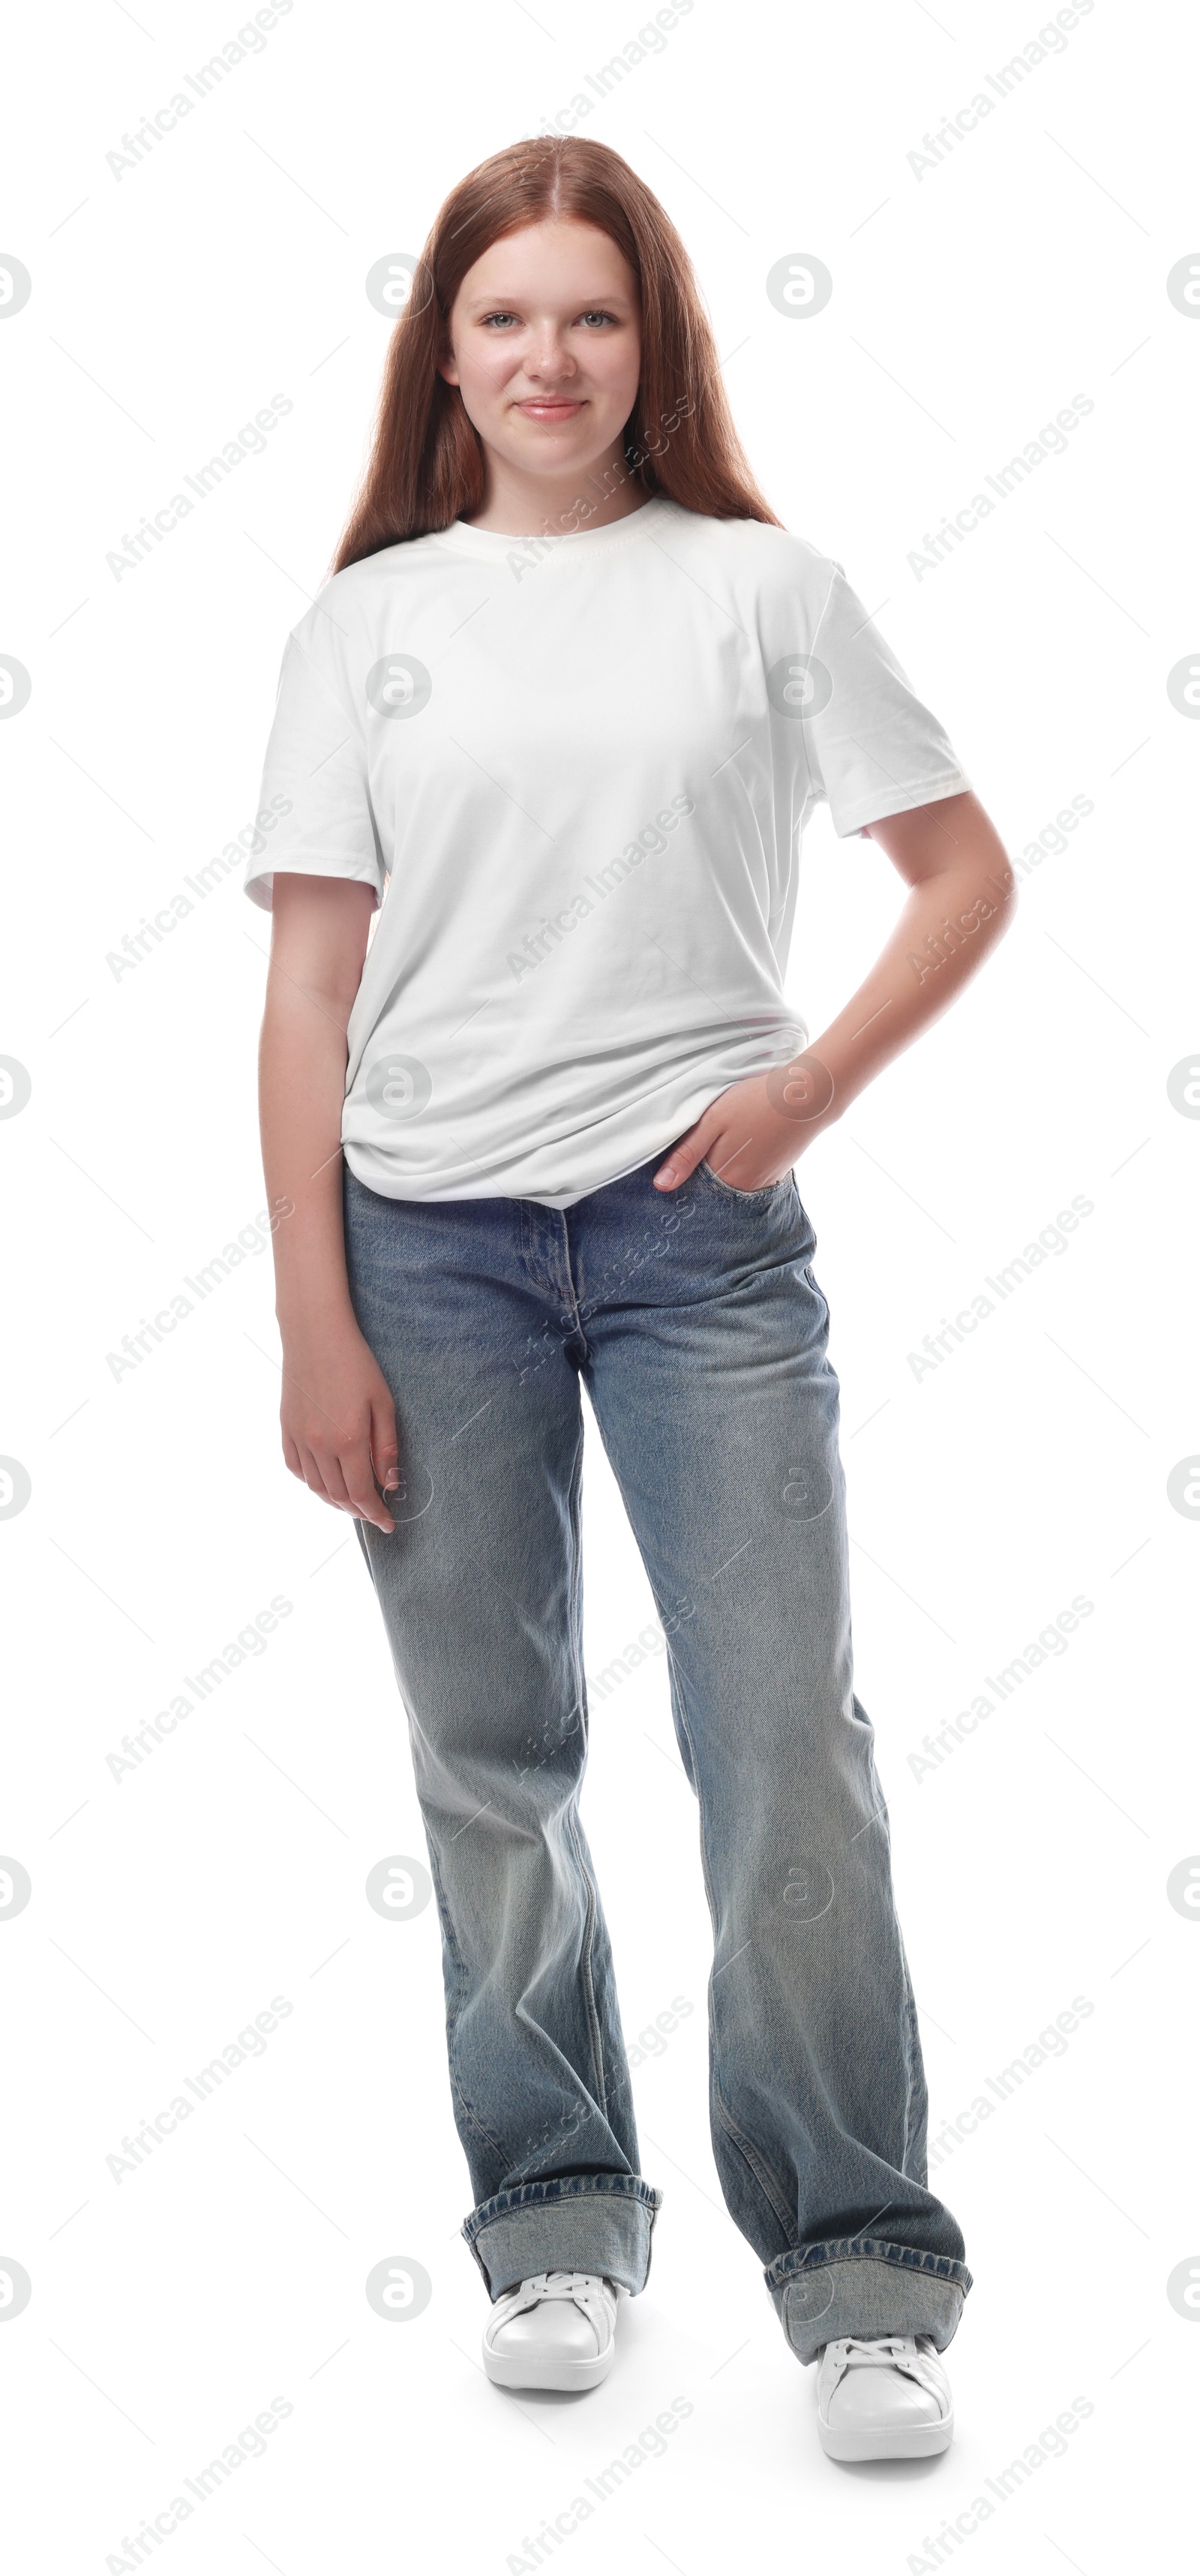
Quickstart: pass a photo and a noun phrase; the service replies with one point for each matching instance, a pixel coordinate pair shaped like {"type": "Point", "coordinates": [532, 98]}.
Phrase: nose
{"type": "Point", "coordinates": [547, 358]}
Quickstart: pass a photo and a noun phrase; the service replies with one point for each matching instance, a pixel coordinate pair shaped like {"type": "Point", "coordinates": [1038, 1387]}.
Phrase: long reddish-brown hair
{"type": "Point", "coordinates": [425, 467]}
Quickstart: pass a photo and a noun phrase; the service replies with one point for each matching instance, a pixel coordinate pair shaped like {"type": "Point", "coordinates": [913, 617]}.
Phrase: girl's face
{"type": "Point", "coordinates": [545, 341]}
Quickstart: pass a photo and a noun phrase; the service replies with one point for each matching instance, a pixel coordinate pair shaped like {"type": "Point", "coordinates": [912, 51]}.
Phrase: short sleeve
{"type": "Point", "coordinates": [873, 747]}
{"type": "Point", "coordinates": [315, 787]}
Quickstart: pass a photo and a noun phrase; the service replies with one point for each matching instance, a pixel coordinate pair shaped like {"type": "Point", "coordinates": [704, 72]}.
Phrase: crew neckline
{"type": "Point", "coordinates": [485, 542]}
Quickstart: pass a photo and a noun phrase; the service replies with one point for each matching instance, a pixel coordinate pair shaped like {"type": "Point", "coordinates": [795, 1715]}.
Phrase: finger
{"type": "Point", "coordinates": [330, 1463]}
{"type": "Point", "coordinates": [360, 1486]}
{"type": "Point", "coordinates": [385, 1447]}
{"type": "Point", "coordinates": [316, 1472]}
{"type": "Point", "coordinates": [291, 1456]}
{"type": "Point", "coordinates": [684, 1156]}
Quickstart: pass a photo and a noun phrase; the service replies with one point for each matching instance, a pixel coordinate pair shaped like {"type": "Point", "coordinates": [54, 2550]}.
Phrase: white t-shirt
{"type": "Point", "coordinates": [575, 774]}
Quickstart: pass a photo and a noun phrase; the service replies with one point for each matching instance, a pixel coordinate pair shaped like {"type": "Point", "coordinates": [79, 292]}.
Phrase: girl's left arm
{"type": "Point", "coordinates": [962, 893]}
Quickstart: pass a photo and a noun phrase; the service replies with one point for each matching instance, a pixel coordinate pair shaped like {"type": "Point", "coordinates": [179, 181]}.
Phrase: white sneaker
{"type": "Point", "coordinates": [883, 2399]}
{"type": "Point", "coordinates": [557, 2331]}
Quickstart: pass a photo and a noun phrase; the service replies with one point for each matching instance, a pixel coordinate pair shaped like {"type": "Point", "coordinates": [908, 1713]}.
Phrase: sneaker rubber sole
{"type": "Point", "coordinates": [891, 2442]}
{"type": "Point", "coordinates": [509, 2370]}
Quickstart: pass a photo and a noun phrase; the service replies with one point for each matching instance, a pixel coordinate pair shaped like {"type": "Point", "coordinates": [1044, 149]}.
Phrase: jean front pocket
{"type": "Point", "coordinates": [749, 1198]}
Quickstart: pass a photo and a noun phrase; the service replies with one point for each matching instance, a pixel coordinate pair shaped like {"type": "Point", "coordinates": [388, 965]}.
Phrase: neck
{"type": "Point", "coordinates": [528, 505]}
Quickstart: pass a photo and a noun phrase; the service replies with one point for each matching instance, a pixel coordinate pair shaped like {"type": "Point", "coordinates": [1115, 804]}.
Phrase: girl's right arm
{"type": "Point", "coordinates": [337, 1415]}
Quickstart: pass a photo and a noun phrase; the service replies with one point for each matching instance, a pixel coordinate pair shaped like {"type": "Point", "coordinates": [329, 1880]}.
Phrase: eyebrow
{"type": "Point", "coordinates": [578, 304]}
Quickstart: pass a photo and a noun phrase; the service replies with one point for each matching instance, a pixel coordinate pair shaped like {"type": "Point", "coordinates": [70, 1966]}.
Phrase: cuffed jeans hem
{"type": "Point", "coordinates": [860, 2285]}
{"type": "Point", "coordinates": [581, 2223]}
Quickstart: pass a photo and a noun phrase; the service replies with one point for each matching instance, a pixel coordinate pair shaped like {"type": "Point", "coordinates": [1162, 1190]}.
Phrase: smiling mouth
{"type": "Point", "coordinates": [553, 405]}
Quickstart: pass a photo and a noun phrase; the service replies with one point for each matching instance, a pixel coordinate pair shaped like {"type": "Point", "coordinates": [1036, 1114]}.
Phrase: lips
{"type": "Point", "coordinates": [549, 410]}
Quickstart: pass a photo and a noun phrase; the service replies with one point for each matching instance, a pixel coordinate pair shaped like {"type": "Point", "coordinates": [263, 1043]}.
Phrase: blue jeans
{"type": "Point", "coordinates": [696, 1325]}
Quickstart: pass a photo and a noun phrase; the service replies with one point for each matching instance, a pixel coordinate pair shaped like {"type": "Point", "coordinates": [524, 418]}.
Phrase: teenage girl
{"type": "Point", "coordinates": [549, 736]}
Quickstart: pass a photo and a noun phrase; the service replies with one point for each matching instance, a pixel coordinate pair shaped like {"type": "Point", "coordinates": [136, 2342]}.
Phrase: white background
{"type": "Point", "coordinates": [970, 303]}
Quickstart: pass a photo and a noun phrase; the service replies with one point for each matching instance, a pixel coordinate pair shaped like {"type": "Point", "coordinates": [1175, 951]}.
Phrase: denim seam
{"type": "Point", "coordinates": [881, 1817]}
{"type": "Point", "coordinates": [728, 2124]}
{"type": "Point", "coordinates": [750, 2157]}
{"type": "Point", "coordinates": [455, 2009]}
{"type": "Point", "coordinates": [870, 2249]}
{"type": "Point", "coordinates": [910, 2036]}
{"type": "Point", "coordinates": [599, 2070]}
{"type": "Point", "coordinates": [542, 1286]}
{"type": "Point", "coordinates": [585, 1964]}
{"type": "Point", "coordinates": [554, 2193]}
{"type": "Point", "coordinates": [717, 2102]}
{"type": "Point", "coordinates": [569, 1276]}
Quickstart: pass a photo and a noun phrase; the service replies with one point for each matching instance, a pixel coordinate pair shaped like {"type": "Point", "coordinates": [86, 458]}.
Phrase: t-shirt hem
{"type": "Point", "coordinates": [537, 1198]}
{"type": "Point", "coordinates": [898, 800]}
{"type": "Point", "coordinates": [651, 1144]}
{"type": "Point", "coordinates": [372, 1179]}
{"type": "Point", "coordinates": [261, 887]}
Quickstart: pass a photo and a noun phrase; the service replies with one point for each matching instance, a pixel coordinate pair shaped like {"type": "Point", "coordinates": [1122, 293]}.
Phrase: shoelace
{"type": "Point", "coordinates": [589, 2291]}
{"type": "Point", "coordinates": [902, 2352]}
